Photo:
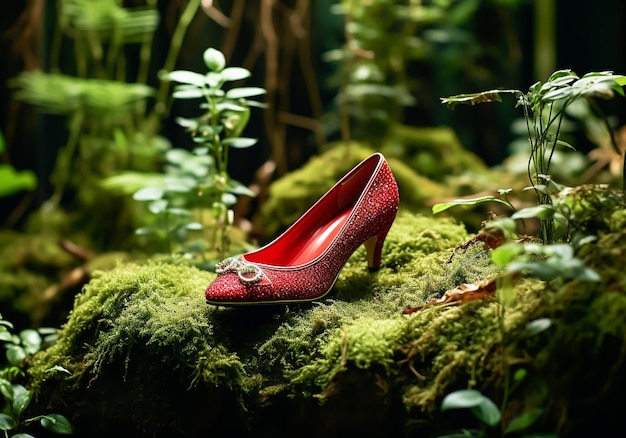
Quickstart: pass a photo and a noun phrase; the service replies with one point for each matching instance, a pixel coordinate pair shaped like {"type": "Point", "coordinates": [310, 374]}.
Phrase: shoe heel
{"type": "Point", "coordinates": [373, 249]}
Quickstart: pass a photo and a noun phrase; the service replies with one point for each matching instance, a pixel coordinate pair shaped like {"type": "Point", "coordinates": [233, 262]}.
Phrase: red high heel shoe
{"type": "Point", "coordinates": [304, 262]}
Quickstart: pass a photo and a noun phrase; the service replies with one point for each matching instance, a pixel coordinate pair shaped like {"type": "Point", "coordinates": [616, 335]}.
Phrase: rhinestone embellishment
{"type": "Point", "coordinates": [247, 272]}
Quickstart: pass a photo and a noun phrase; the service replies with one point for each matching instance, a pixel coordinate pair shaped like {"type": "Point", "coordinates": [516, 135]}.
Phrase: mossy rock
{"type": "Point", "coordinates": [148, 357]}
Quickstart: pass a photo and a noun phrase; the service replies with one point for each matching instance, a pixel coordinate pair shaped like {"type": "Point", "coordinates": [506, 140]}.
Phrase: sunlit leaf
{"type": "Point", "coordinates": [244, 92]}
{"type": "Point", "coordinates": [229, 199]}
{"type": "Point", "coordinates": [13, 181]}
{"type": "Point", "coordinates": [537, 326]}
{"type": "Point", "coordinates": [213, 79]}
{"type": "Point", "coordinates": [143, 231]}
{"type": "Point", "coordinates": [482, 407]}
{"type": "Point", "coordinates": [187, 93]}
{"type": "Point", "coordinates": [214, 59]}
{"type": "Point", "coordinates": [58, 368]}
{"type": "Point", "coordinates": [540, 212]}
{"type": "Point", "coordinates": [15, 354]}
{"type": "Point", "coordinates": [240, 142]}
{"type": "Point", "coordinates": [185, 77]}
{"type": "Point", "coordinates": [505, 254]}
{"type": "Point", "coordinates": [190, 124]}
{"type": "Point", "coordinates": [31, 340]}
{"type": "Point", "coordinates": [438, 208]}
{"type": "Point", "coordinates": [6, 389]}
{"type": "Point", "coordinates": [158, 206]}
{"type": "Point", "coordinates": [148, 194]}
{"type": "Point", "coordinates": [463, 398]}
{"type": "Point", "coordinates": [238, 188]}
{"type": "Point", "coordinates": [194, 226]}
{"type": "Point", "coordinates": [235, 73]}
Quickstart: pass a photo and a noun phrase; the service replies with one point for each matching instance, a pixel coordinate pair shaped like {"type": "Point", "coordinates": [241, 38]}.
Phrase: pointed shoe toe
{"type": "Point", "coordinates": [304, 262]}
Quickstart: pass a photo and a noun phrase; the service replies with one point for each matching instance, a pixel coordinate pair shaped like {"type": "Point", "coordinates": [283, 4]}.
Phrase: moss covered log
{"type": "Point", "coordinates": [147, 357]}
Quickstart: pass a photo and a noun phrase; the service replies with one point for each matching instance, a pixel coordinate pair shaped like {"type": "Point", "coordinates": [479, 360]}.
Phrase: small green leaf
{"type": "Point", "coordinates": [238, 188]}
{"type": "Point", "coordinates": [148, 194]}
{"type": "Point", "coordinates": [482, 407]}
{"type": "Point", "coordinates": [7, 422]}
{"type": "Point", "coordinates": [506, 224]}
{"type": "Point", "coordinates": [462, 399]}
{"type": "Point", "coordinates": [186, 77]}
{"type": "Point", "coordinates": [523, 421]}
{"type": "Point", "coordinates": [244, 92]}
{"type": "Point", "coordinates": [235, 73]}
{"type": "Point", "coordinates": [190, 124]}
{"type": "Point", "coordinates": [21, 401]}
{"type": "Point", "coordinates": [240, 142]}
{"type": "Point", "coordinates": [187, 93]}
{"type": "Point", "coordinates": [438, 208]}
{"type": "Point", "coordinates": [5, 323]}
{"type": "Point", "coordinates": [6, 389]}
{"type": "Point", "coordinates": [57, 423]}
{"type": "Point", "coordinates": [229, 199]}
{"type": "Point", "coordinates": [15, 354]}
{"type": "Point", "coordinates": [194, 226]}
{"type": "Point", "coordinates": [222, 106]}
{"type": "Point", "coordinates": [487, 412]}
{"type": "Point", "coordinates": [214, 59]}
{"type": "Point", "coordinates": [504, 254]}
{"type": "Point", "coordinates": [13, 181]}
{"type": "Point", "coordinates": [518, 377]}
{"type": "Point", "coordinates": [537, 326]}
{"type": "Point", "coordinates": [541, 270]}
{"type": "Point", "coordinates": [143, 231]}
{"type": "Point", "coordinates": [58, 368]}
{"type": "Point", "coordinates": [31, 340]}
{"type": "Point", "coordinates": [22, 435]}
{"type": "Point", "coordinates": [158, 206]}
{"type": "Point", "coordinates": [565, 145]}
{"type": "Point", "coordinates": [540, 211]}
{"type": "Point", "coordinates": [47, 330]}
{"type": "Point", "coordinates": [180, 212]}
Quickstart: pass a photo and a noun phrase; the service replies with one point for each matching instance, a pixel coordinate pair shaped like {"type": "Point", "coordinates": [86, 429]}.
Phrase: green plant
{"type": "Point", "coordinates": [489, 415]}
{"type": "Point", "coordinates": [12, 181]}
{"type": "Point", "coordinates": [384, 41]}
{"type": "Point", "coordinates": [544, 109]}
{"type": "Point", "coordinates": [492, 418]}
{"type": "Point", "coordinates": [17, 397]}
{"type": "Point", "coordinates": [199, 180]}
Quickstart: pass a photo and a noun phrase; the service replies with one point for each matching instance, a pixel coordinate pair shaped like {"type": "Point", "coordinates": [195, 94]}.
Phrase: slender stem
{"type": "Point", "coordinates": [175, 46]}
{"type": "Point", "coordinates": [63, 168]}
{"type": "Point", "coordinates": [168, 235]}
{"type": "Point", "coordinates": [145, 50]}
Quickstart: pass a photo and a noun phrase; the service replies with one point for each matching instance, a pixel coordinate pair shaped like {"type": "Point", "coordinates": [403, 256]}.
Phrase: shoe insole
{"type": "Point", "coordinates": [314, 244]}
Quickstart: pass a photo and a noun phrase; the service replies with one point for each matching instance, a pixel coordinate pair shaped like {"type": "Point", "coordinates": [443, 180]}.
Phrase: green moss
{"type": "Point", "coordinates": [155, 309]}
{"type": "Point", "coordinates": [141, 324]}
